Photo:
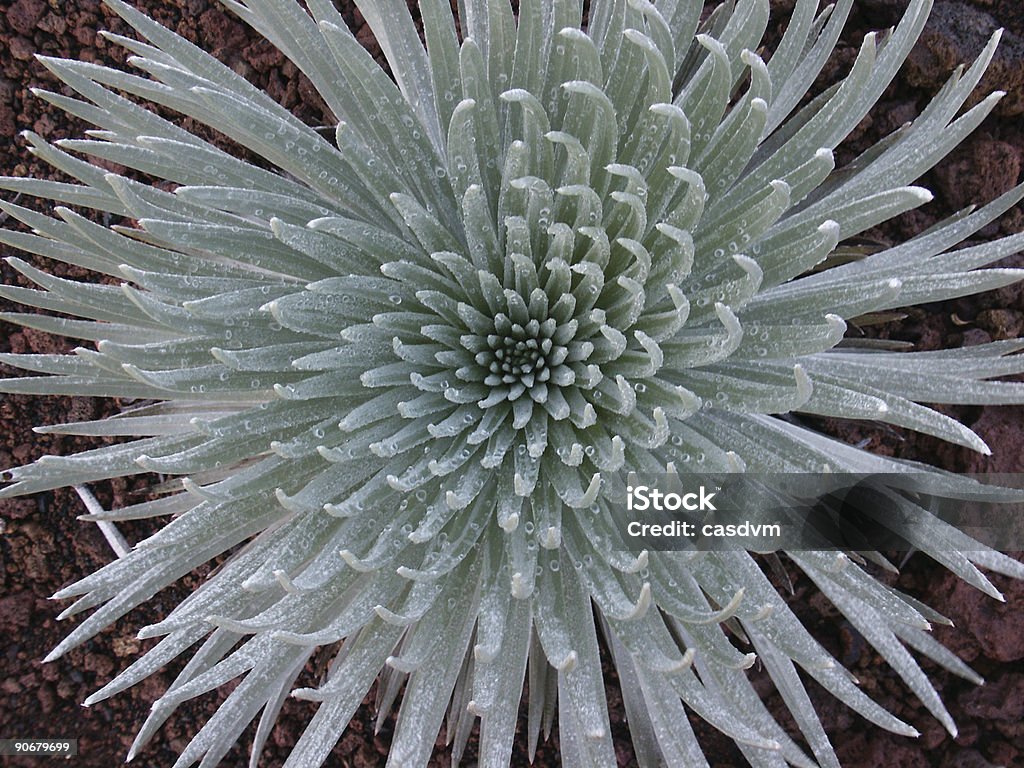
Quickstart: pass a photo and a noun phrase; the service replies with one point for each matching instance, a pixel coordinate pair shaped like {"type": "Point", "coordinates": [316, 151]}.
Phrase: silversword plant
{"type": "Point", "coordinates": [393, 368]}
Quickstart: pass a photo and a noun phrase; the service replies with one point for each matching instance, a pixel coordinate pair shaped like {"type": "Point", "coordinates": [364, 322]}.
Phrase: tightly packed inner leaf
{"type": "Point", "coordinates": [396, 368]}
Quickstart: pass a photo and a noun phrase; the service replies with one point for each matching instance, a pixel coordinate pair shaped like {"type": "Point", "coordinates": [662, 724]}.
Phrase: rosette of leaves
{"type": "Point", "coordinates": [392, 365]}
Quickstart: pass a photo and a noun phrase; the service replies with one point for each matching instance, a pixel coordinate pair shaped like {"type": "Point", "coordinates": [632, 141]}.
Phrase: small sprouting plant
{"type": "Point", "coordinates": [395, 367]}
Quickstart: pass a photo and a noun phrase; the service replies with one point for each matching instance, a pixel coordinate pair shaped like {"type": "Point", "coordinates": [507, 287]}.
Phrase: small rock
{"type": "Point", "coordinates": [46, 697]}
{"type": "Point", "coordinates": [997, 627]}
{"type": "Point", "coordinates": [44, 126]}
{"type": "Point", "coordinates": [1009, 295]}
{"type": "Point", "coordinates": [968, 734]}
{"type": "Point", "coordinates": [932, 733]}
{"type": "Point", "coordinates": [975, 336]}
{"type": "Point", "coordinates": [22, 452]}
{"type": "Point", "coordinates": [21, 48]}
{"type": "Point", "coordinates": [1013, 222]}
{"type": "Point", "coordinates": [15, 613]}
{"type": "Point", "coordinates": [24, 14]}
{"type": "Point", "coordinates": [53, 23]}
{"type": "Point", "coordinates": [101, 665]}
{"type": "Point", "coordinates": [955, 34]}
{"type": "Point", "coordinates": [1002, 428]}
{"type": "Point", "coordinates": [968, 758]}
{"type": "Point", "coordinates": [44, 343]}
{"type": "Point", "coordinates": [219, 30]}
{"type": "Point", "coordinates": [891, 115]}
{"type": "Point", "coordinates": [85, 35]}
{"type": "Point", "coordinates": [18, 509]}
{"type": "Point", "coordinates": [978, 171]}
{"type": "Point", "coordinates": [881, 750]}
{"type": "Point", "coordinates": [262, 56]}
{"type": "Point", "coordinates": [1000, 702]}
{"type": "Point", "coordinates": [1004, 754]}
{"type": "Point", "coordinates": [125, 646]}
{"type": "Point", "coordinates": [1002, 323]}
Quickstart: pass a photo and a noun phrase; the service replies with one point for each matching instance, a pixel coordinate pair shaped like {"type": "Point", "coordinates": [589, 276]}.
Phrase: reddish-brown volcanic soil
{"type": "Point", "coordinates": [43, 547]}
